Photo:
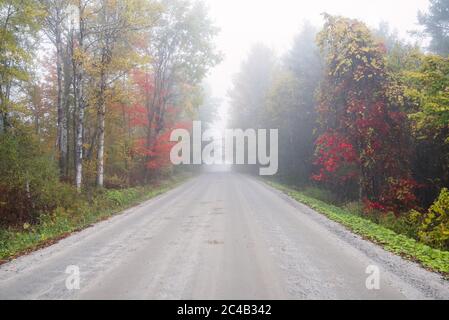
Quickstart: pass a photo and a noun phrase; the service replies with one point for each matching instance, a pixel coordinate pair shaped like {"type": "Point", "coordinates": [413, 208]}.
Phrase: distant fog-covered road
{"type": "Point", "coordinates": [218, 236]}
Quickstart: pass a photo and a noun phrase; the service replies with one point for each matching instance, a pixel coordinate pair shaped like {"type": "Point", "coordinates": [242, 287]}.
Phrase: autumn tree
{"type": "Point", "coordinates": [70, 96]}
{"type": "Point", "coordinates": [182, 52]}
{"type": "Point", "coordinates": [55, 23]}
{"type": "Point", "coordinates": [427, 90]}
{"type": "Point", "coordinates": [119, 28]}
{"type": "Point", "coordinates": [82, 11]}
{"type": "Point", "coordinates": [20, 21]}
{"type": "Point", "coordinates": [364, 141]}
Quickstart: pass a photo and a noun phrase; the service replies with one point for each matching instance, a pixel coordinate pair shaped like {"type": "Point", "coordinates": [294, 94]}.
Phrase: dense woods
{"type": "Point", "coordinates": [362, 116]}
{"type": "Point", "coordinates": [89, 90]}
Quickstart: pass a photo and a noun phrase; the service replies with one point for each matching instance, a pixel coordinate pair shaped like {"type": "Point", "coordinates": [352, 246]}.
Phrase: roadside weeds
{"type": "Point", "coordinates": [432, 259]}
{"type": "Point", "coordinates": [15, 242]}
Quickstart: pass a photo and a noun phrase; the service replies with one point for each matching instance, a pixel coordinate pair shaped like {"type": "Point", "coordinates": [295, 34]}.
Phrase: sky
{"type": "Point", "coordinates": [276, 22]}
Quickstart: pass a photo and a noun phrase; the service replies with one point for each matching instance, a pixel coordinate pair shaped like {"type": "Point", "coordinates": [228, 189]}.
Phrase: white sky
{"type": "Point", "coordinates": [276, 22]}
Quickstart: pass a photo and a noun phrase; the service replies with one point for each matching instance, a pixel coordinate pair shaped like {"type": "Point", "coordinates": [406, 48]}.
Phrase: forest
{"type": "Point", "coordinates": [88, 92]}
{"type": "Point", "coordinates": [363, 118]}
{"type": "Point", "coordinates": [91, 89]}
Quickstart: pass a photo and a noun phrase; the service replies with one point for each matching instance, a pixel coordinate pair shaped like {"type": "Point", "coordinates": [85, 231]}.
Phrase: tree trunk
{"type": "Point", "coordinates": [101, 113]}
{"type": "Point", "coordinates": [101, 129]}
{"type": "Point", "coordinates": [2, 123]}
{"type": "Point", "coordinates": [100, 153]}
{"type": "Point", "coordinates": [37, 126]}
{"type": "Point", "coordinates": [106, 57]}
{"type": "Point", "coordinates": [79, 98]}
{"type": "Point", "coordinates": [79, 143]}
{"type": "Point", "coordinates": [2, 111]}
{"type": "Point", "coordinates": [68, 80]}
{"type": "Point", "coordinates": [4, 95]}
{"type": "Point", "coordinates": [62, 117]}
{"type": "Point", "coordinates": [149, 139]}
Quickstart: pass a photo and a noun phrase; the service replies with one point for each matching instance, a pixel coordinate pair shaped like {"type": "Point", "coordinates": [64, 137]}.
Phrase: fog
{"type": "Point", "coordinates": [275, 23]}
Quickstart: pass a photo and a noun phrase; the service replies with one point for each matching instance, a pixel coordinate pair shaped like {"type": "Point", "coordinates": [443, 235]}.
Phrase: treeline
{"type": "Point", "coordinates": [89, 90]}
{"type": "Point", "coordinates": [362, 115]}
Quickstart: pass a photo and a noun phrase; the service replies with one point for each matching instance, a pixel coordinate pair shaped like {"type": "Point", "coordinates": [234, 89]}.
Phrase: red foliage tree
{"type": "Point", "coordinates": [153, 123]}
{"type": "Point", "coordinates": [364, 137]}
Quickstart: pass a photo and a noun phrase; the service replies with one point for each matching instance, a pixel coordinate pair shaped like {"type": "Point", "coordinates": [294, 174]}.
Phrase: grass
{"type": "Point", "coordinates": [433, 259]}
{"type": "Point", "coordinates": [53, 227]}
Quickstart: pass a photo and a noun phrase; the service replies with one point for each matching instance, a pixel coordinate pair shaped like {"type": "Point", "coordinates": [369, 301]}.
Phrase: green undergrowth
{"type": "Point", "coordinates": [16, 241]}
{"type": "Point", "coordinates": [434, 259]}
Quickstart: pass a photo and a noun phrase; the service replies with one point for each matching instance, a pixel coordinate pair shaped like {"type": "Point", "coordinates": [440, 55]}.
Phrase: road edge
{"type": "Point", "coordinates": [431, 283]}
{"type": "Point", "coordinates": [113, 213]}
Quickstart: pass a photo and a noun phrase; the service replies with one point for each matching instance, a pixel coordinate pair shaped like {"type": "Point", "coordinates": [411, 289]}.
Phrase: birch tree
{"type": "Point", "coordinates": [78, 32]}
{"type": "Point", "coordinates": [56, 15]}
{"type": "Point", "coordinates": [118, 26]}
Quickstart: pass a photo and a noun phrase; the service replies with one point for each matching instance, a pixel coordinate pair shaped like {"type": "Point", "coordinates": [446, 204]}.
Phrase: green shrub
{"type": "Point", "coordinates": [400, 244]}
{"type": "Point", "coordinates": [320, 194]}
{"type": "Point", "coordinates": [354, 207]}
{"type": "Point", "coordinates": [115, 182]}
{"type": "Point", "coordinates": [404, 224]}
{"type": "Point", "coordinates": [29, 181]}
{"type": "Point", "coordinates": [122, 197]}
{"type": "Point", "coordinates": [434, 229]}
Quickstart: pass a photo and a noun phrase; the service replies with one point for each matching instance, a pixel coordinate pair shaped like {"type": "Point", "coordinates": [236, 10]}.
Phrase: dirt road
{"type": "Point", "coordinates": [218, 236]}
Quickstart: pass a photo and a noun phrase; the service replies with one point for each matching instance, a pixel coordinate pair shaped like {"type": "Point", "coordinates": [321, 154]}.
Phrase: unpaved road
{"type": "Point", "coordinates": [218, 236]}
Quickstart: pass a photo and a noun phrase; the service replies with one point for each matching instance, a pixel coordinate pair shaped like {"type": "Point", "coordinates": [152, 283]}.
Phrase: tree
{"type": "Point", "coordinates": [85, 94]}
{"type": "Point", "coordinates": [182, 52]}
{"type": "Point", "coordinates": [289, 111]}
{"type": "Point", "coordinates": [302, 78]}
{"type": "Point", "coordinates": [20, 21]}
{"type": "Point", "coordinates": [436, 25]}
{"type": "Point", "coordinates": [359, 117]}
{"type": "Point", "coordinates": [430, 89]}
{"type": "Point", "coordinates": [55, 20]}
{"type": "Point", "coordinates": [78, 52]}
{"type": "Point", "coordinates": [268, 93]}
{"type": "Point", "coordinates": [116, 26]}
{"type": "Point", "coordinates": [305, 62]}
{"type": "Point", "coordinates": [427, 89]}
{"type": "Point", "coordinates": [250, 88]}
{"type": "Point", "coordinates": [208, 111]}
{"type": "Point", "coordinates": [435, 223]}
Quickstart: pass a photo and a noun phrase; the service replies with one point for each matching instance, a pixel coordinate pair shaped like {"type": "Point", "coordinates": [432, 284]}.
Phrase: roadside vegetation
{"type": "Point", "coordinates": [78, 213]}
{"type": "Point", "coordinates": [400, 236]}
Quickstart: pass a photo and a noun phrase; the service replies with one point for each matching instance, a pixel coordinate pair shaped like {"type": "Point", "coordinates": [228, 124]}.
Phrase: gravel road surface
{"type": "Point", "coordinates": [218, 236]}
